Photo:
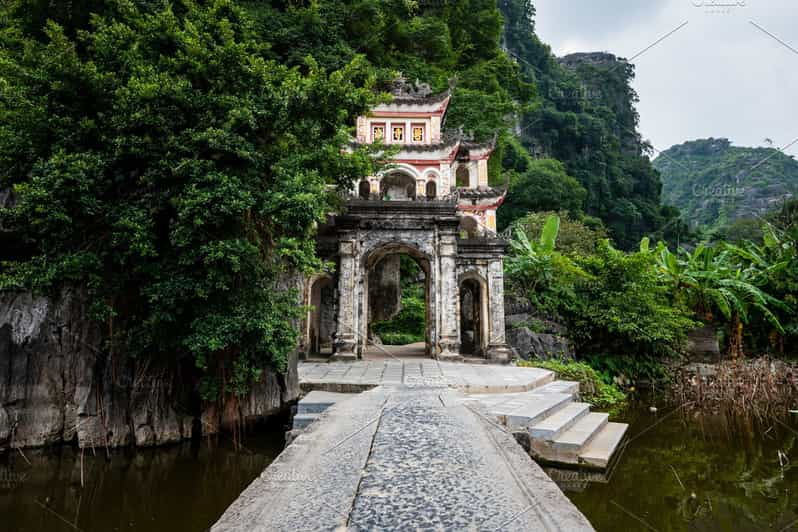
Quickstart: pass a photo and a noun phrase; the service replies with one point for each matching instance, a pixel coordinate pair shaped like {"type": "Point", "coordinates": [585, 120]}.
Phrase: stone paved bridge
{"type": "Point", "coordinates": [426, 445]}
{"type": "Point", "coordinates": [403, 458]}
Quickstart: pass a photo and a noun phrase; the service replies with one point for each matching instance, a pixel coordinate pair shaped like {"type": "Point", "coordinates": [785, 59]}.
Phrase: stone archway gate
{"type": "Point", "coordinates": [428, 231]}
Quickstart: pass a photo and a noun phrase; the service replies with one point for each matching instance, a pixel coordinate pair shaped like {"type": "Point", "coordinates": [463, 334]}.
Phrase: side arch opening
{"type": "Point", "coordinates": [473, 316]}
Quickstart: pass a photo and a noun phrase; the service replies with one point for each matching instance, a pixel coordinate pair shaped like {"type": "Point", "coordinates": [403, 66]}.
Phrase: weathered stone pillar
{"type": "Point", "coordinates": [447, 302]}
{"type": "Point", "coordinates": [346, 330]}
{"type": "Point", "coordinates": [498, 350]}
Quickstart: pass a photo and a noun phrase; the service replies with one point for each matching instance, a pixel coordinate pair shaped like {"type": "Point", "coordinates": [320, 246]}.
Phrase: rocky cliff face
{"type": "Point", "coordinates": [58, 385]}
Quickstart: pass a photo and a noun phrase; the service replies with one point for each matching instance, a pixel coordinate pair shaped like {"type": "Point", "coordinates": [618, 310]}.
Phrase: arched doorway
{"type": "Point", "coordinates": [474, 326]}
{"type": "Point", "coordinates": [398, 186]}
{"type": "Point", "coordinates": [321, 316]}
{"type": "Point", "coordinates": [469, 227]}
{"type": "Point", "coordinates": [364, 190]}
{"type": "Point", "coordinates": [463, 179]}
{"type": "Point", "coordinates": [432, 189]}
{"type": "Point", "coordinates": [395, 311]}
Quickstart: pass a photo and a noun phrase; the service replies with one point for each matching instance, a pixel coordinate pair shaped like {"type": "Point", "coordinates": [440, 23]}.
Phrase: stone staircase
{"type": "Point", "coordinates": [555, 426]}
{"type": "Point", "coordinates": [313, 404]}
{"type": "Point", "coordinates": [549, 420]}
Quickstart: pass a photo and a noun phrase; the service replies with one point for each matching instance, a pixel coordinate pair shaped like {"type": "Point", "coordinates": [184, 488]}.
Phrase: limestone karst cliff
{"type": "Point", "coordinates": [58, 384]}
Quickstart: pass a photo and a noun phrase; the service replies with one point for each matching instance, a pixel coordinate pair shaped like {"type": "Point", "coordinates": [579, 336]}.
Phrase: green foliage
{"type": "Point", "coordinates": [592, 388]}
{"type": "Point", "coordinates": [575, 237]}
{"type": "Point", "coordinates": [611, 301]}
{"type": "Point", "coordinates": [409, 325]}
{"type": "Point", "coordinates": [538, 271]}
{"type": "Point", "coordinates": [399, 338]}
{"type": "Point", "coordinates": [587, 120]}
{"type": "Point", "coordinates": [162, 159]}
{"type": "Point", "coordinates": [624, 307]}
{"type": "Point", "coordinates": [724, 283]}
{"type": "Point", "coordinates": [629, 370]}
{"type": "Point", "coordinates": [544, 185]}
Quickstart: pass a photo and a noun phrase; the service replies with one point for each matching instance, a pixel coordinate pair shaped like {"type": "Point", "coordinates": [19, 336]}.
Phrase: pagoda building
{"type": "Point", "coordinates": [435, 164]}
{"type": "Point", "coordinates": [432, 202]}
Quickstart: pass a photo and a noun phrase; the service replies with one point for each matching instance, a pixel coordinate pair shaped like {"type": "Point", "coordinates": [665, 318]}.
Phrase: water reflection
{"type": "Point", "coordinates": [696, 474]}
{"type": "Point", "coordinates": [183, 487]}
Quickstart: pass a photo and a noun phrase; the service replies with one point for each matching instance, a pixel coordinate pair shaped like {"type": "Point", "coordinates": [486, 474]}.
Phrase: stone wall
{"type": "Point", "coordinates": [57, 384]}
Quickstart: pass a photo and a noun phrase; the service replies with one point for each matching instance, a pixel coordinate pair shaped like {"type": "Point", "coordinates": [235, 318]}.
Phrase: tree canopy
{"type": "Point", "coordinates": [162, 158]}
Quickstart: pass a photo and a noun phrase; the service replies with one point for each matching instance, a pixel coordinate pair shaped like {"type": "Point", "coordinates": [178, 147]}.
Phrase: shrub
{"type": "Point", "coordinates": [400, 338]}
{"type": "Point", "coordinates": [592, 388]}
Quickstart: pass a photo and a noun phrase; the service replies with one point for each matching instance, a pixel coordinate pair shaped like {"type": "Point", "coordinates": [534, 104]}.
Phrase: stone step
{"type": "Point", "coordinates": [598, 453]}
{"type": "Point", "coordinates": [560, 421]}
{"type": "Point", "coordinates": [558, 386]}
{"type": "Point", "coordinates": [303, 420]}
{"type": "Point", "coordinates": [522, 413]}
{"type": "Point", "coordinates": [581, 433]}
{"type": "Point", "coordinates": [316, 401]}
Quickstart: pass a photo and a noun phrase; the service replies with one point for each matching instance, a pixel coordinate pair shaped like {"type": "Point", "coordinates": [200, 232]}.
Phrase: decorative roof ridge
{"type": "Point", "coordinates": [482, 192]}
{"type": "Point", "coordinates": [416, 100]}
{"type": "Point", "coordinates": [415, 93]}
{"type": "Point", "coordinates": [489, 144]}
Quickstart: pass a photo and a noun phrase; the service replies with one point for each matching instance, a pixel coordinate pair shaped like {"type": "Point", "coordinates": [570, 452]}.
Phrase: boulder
{"type": "Point", "coordinates": [703, 343]}
{"type": "Point", "coordinates": [526, 319]}
{"type": "Point", "coordinates": [544, 346]}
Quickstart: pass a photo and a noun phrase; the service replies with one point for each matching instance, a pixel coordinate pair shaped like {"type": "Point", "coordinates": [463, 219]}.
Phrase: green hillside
{"type": "Point", "coordinates": [714, 183]}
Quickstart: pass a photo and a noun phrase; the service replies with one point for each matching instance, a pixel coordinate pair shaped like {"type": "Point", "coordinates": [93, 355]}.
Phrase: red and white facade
{"type": "Point", "coordinates": [428, 164]}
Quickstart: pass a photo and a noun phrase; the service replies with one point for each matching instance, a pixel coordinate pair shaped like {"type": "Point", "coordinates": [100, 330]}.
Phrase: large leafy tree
{"type": "Point", "coordinates": [543, 185]}
{"type": "Point", "coordinates": [164, 160]}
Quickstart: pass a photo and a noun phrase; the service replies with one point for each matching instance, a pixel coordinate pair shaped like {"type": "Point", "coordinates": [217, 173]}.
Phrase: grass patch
{"type": "Point", "coordinates": [592, 388]}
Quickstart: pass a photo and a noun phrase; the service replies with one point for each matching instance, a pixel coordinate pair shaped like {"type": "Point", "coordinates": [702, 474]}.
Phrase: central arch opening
{"type": "Point", "coordinates": [397, 303]}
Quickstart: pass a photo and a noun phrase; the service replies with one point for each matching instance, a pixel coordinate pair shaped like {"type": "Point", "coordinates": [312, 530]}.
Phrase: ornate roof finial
{"type": "Point", "coordinates": [402, 88]}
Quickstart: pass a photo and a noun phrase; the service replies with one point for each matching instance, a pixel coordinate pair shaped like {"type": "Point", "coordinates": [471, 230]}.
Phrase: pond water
{"type": "Point", "coordinates": [673, 475]}
{"type": "Point", "coordinates": [696, 474]}
{"type": "Point", "coordinates": [180, 487]}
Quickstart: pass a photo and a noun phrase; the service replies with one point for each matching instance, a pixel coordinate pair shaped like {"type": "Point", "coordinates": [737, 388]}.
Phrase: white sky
{"type": "Point", "coordinates": [718, 76]}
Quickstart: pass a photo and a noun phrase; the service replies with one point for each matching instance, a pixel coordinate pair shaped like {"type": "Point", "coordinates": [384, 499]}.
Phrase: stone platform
{"type": "Point", "coordinates": [403, 458]}
{"type": "Point", "coordinates": [419, 372]}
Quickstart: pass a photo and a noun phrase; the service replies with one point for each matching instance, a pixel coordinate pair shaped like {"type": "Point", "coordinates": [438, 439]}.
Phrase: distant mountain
{"type": "Point", "coordinates": [714, 183]}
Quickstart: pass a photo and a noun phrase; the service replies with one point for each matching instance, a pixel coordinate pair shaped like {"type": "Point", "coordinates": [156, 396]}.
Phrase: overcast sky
{"type": "Point", "coordinates": [718, 76]}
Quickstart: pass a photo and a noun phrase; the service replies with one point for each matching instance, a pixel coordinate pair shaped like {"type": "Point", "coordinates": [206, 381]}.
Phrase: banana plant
{"type": "Point", "coordinates": [721, 279]}
{"type": "Point", "coordinates": [537, 266]}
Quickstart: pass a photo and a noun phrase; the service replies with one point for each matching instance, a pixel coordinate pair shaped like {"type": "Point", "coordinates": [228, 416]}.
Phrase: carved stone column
{"type": "Point", "coordinates": [346, 330]}
{"type": "Point", "coordinates": [447, 300]}
{"type": "Point", "coordinates": [498, 350]}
